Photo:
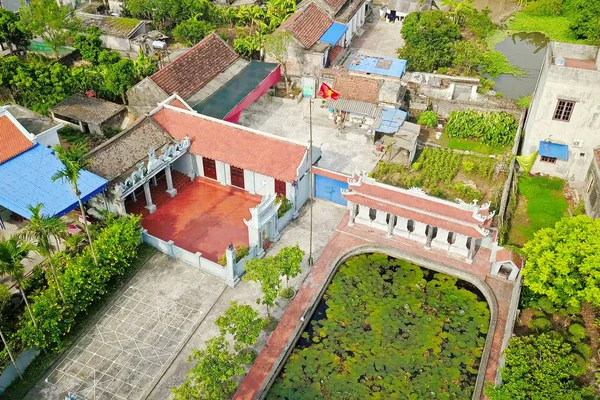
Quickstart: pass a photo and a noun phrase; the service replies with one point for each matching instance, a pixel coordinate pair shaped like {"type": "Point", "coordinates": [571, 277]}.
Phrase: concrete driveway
{"type": "Point", "coordinates": [380, 39]}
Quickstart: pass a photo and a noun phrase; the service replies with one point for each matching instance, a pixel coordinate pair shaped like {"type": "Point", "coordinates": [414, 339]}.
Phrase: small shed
{"type": "Point", "coordinates": [89, 114]}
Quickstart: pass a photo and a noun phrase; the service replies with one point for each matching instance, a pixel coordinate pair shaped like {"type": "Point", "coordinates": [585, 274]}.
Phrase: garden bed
{"type": "Point", "coordinates": [387, 328]}
{"type": "Point", "coordinates": [447, 174]}
{"type": "Point", "coordinates": [540, 204]}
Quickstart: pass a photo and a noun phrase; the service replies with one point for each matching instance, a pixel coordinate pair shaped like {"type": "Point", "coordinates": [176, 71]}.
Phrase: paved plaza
{"type": "Point", "coordinates": [122, 356]}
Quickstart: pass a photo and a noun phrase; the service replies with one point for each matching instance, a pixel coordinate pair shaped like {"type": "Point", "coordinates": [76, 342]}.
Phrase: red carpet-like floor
{"type": "Point", "coordinates": [203, 217]}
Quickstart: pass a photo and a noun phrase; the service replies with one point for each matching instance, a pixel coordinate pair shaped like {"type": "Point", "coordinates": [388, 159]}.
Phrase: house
{"type": "Point", "coordinates": [401, 8]}
{"type": "Point", "coordinates": [211, 77]}
{"type": "Point", "coordinates": [89, 114]}
{"type": "Point", "coordinates": [321, 29]}
{"type": "Point", "coordinates": [564, 117]}
{"type": "Point", "coordinates": [26, 170]}
{"type": "Point", "coordinates": [358, 103]}
{"type": "Point", "coordinates": [117, 33]}
{"type": "Point", "coordinates": [44, 129]}
{"type": "Point", "coordinates": [202, 183]}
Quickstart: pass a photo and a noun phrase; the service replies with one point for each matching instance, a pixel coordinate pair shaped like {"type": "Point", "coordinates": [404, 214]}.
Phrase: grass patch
{"type": "Point", "coordinates": [476, 146]}
{"type": "Point", "coordinates": [541, 204]}
{"type": "Point", "coordinates": [122, 25]}
{"type": "Point", "coordinates": [37, 369]}
{"type": "Point", "coordinates": [555, 27]}
{"type": "Point", "coordinates": [495, 37]}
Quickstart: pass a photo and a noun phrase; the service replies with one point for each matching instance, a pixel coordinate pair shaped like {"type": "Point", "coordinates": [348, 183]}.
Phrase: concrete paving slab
{"type": "Point", "coordinates": [380, 39]}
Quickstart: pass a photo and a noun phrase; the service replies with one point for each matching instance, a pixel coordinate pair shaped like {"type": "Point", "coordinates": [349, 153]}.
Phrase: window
{"type": "Point", "coordinates": [280, 187]}
{"type": "Point", "coordinates": [551, 160]}
{"type": "Point", "coordinates": [564, 109]}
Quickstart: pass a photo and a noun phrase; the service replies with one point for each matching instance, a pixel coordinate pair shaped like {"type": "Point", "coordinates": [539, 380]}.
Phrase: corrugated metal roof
{"type": "Point", "coordinates": [354, 106]}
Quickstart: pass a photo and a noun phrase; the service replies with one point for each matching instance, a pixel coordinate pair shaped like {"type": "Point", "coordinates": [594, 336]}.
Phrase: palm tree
{"type": "Point", "coordinates": [74, 161]}
{"type": "Point", "coordinates": [40, 231]}
{"type": "Point", "coordinates": [12, 253]}
{"type": "Point", "coordinates": [4, 299]}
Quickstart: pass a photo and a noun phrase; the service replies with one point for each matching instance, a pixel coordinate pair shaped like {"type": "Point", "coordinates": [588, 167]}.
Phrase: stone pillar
{"type": "Point", "coordinates": [353, 208]}
{"type": "Point", "coordinates": [473, 96]}
{"type": "Point", "coordinates": [149, 205]}
{"type": "Point", "coordinates": [154, 181]}
{"type": "Point", "coordinates": [400, 229]}
{"type": "Point", "coordinates": [192, 174]}
{"type": "Point", "coordinates": [441, 240]}
{"type": "Point", "coordinates": [471, 253]}
{"type": "Point", "coordinates": [391, 223]}
{"type": "Point", "coordinates": [122, 208]}
{"type": "Point", "coordinates": [170, 189]}
{"type": "Point", "coordinates": [429, 231]}
{"type": "Point", "coordinates": [419, 233]}
{"type": "Point", "coordinates": [460, 245]}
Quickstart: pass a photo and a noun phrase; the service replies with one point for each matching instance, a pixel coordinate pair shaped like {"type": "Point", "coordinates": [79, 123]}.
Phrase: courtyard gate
{"type": "Point", "coordinates": [328, 186]}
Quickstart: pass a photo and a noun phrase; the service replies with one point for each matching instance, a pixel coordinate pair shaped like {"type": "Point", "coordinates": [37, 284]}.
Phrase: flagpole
{"type": "Point", "coordinates": [310, 163]}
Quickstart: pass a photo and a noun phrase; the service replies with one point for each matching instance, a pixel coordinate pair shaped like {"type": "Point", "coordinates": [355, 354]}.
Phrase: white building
{"type": "Point", "coordinates": [563, 124]}
{"type": "Point", "coordinates": [43, 130]}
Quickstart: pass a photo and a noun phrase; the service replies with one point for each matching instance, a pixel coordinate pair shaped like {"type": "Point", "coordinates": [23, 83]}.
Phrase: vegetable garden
{"type": "Point", "coordinates": [490, 128]}
{"type": "Point", "coordinates": [388, 329]}
{"type": "Point", "coordinates": [445, 174]}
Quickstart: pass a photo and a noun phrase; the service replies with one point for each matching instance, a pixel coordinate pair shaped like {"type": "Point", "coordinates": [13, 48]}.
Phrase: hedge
{"type": "Point", "coordinates": [82, 282]}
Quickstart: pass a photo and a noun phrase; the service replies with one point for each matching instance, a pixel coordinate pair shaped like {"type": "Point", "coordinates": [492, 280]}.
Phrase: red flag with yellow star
{"type": "Point", "coordinates": [326, 92]}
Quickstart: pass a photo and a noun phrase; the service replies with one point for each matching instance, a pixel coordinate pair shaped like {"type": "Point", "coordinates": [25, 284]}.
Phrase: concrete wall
{"type": "Point", "coordinates": [591, 191]}
{"type": "Point", "coordinates": [49, 138]}
{"type": "Point", "coordinates": [10, 373]}
{"type": "Point", "coordinates": [144, 97]}
{"type": "Point", "coordinates": [257, 183]}
{"type": "Point", "coordinates": [355, 23]}
{"type": "Point", "coordinates": [186, 164]}
{"type": "Point", "coordinates": [573, 84]}
{"type": "Point", "coordinates": [301, 62]}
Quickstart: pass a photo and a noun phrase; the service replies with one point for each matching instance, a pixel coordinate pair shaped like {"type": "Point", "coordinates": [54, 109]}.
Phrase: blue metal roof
{"type": "Point", "coordinates": [554, 150]}
{"type": "Point", "coordinates": [385, 66]}
{"type": "Point", "coordinates": [27, 180]}
{"type": "Point", "coordinates": [391, 120]}
{"type": "Point", "coordinates": [334, 33]}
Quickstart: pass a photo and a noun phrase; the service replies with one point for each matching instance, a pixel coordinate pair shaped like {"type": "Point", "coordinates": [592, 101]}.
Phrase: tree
{"type": "Point", "coordinates": [563, 262]}
{"type": "Point", "coordinates": [539, 367]}
{"type": "Point", "coordinates": [586, 20]}
{"type": "Point", "coordinates": [4, 299]}
{"type": "Point", "coordinates": [468, 56]}
{"type": "Point", "coordinates": [289, 262]}
{"type": "Point", "coordinates": [119, 78]}
{"type": "Point", "coordinates": [74, 161]}
{"type": "Point", "coordinates": [428, 40]}
{"type": "Point", "coordinates": [242, 322]}
{"type": "Point", "coordinates": [459, 9]}
{"type": "Point", "coordinates": [192, 31]}
{"type": "Point", "coordinates": [53, 22]}
{"type": "Point", "coordinates": [89, 44]}
{"type": "Point", "coordinates": [428, 118]}
{"type": "Point", "coordinates": [11, 30]}
{"type": "Point", "coordinates": [213, 376]}
{"type": "Point", "coordinates": [40, 231]}
{"type": "Point", "coordinates": [276, 46]}
{"type": "Point", "coordinates": [12, 253]}
{"type": "Point", "coordinates": [144, 66]}
{"type": "Point", "coordinates": [266, 272]}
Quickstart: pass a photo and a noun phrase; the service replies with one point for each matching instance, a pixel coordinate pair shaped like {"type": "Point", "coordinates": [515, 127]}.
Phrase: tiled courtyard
{"type": "Point", "coordinates": [124, 354]}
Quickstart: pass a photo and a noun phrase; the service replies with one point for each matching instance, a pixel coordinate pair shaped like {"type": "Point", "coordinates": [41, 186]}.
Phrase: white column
{"type": "Point", "coordinates": [471, 253]}
{"type": "Point", "coordinates": [353, 208]}
{"type": "Point", "coordinates": [170, 189]}
{"type": "Point", "coordinates": [154, 181]}
{"type": "Point", "coordinates": [149, 206]}
{"type": "Point", "coordinates": [441, 240]}
{"type": "Point", "coordinates": [380, 220]}
{"type": "Point", "coordinates": [400, 229]}
{"type": "Point", "coordinates": [429, 231]}
{"type": "Point", "coordinates": [419, 233]}
{"type": "Point", "coordinates": [460, 245]}
{"type": "Point", "coordinates": [390, 227]}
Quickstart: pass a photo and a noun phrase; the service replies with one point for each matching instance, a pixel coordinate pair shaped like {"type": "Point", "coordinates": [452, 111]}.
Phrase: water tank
{"type": "Point", "coordinates": [159, 45]}
{"type": "Point", "coordinates": [560, 61]}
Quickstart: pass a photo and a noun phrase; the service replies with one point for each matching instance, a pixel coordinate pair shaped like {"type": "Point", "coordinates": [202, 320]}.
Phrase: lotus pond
{"type": "Point", "coordinates": [388, 329]}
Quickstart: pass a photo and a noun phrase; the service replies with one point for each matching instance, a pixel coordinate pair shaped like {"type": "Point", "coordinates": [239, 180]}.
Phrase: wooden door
{"type": "Point", "coordinates": [280, 188]}
{"type": "Point", "coordinates": [237, 176]}
{"type": "Point", "coordinates": [210, 168]}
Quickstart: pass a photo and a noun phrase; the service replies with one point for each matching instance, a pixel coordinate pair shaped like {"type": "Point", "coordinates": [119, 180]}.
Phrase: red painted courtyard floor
{"type": "Point", "coordinates": [342, 240]}
{"type": "Point", "coordinates": [203, 217]}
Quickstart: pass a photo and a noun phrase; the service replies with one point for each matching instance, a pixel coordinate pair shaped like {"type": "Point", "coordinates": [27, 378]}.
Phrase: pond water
{"type": "Point", "coordinates": [388, 328]}
{"type": "Point", "coordinates": [526, 51]}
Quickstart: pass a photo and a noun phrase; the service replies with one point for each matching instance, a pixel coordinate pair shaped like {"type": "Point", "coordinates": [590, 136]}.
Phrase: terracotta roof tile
{"type": "Point", "coordinates": [308, 24]}
{"type": "Point", "coordinates": [13, 141]}
{"type": "Point", "coordinates": [335, 5]}
{"type": "Point", "coordinates": [239, 147]}
{"type": "Point", "coordinates": [193, 70]}
{"type": "Point", "coordinates": [357, 88]}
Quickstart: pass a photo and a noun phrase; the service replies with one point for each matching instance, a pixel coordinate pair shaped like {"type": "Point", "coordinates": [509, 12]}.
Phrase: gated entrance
{"type": "Point", "coordinates": [330, 187]}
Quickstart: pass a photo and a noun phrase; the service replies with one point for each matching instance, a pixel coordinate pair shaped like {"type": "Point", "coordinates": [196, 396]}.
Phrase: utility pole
{"type": "Point", "coordinates": [310, 176]}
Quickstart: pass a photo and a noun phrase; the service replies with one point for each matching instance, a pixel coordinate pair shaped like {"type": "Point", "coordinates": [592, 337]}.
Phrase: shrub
{"type": "Point", "coordinates": [241, 251]}
{"type": "Point", "coordinates": [493, 129]}
{"type": "Point", "coordinates": [544, 7]}
{"type": "Point", "coordinates": [485, 86]}
{"type": "Point", "coordinates": [467, 193]}
{"type": "Point", "coordinates": [584, 350]}
{"type": "Point", "coordinates": [428, 119]}
{"type": "Point", "coordinates": [286, 205]}
{"type": "Point", "coordinates": [468, 166]}
{"type": "Point", "coordinates": [524, 102]}
{"type": "Point", "coordinates": [545, 304]}
{"type": "Point", "coordinates": [540, 324]}
{"type": "Point", "coordinates": [577, 331]}
{"type": "Point", "coordinates": [83, 282]}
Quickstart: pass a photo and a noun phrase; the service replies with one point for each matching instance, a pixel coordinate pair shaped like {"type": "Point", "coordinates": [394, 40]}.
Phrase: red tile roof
{"type": "Point", "coordinates": [13, 141]}
{"type": "Point", "coordinates": [335, 5]}
{"type": "Point", "coordinates": [402, 203]}
{"type": "Point", "coordinates": [357, 88]}
{"type": "Point", "coordinates": [177, 103]}
{"type": "Point", "coordinates": [223, 141]}
{"type": "Point", "coordinates": [308, 24]}
{"type": "Point", "coordinates": [192, 71]}
{"type": "Point", "coordinates": [505, 255]}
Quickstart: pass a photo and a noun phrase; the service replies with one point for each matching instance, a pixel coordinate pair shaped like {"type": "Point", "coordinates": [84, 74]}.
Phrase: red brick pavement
{"type": "Point", "coordinates": [341, 241]}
